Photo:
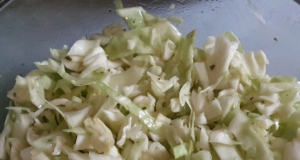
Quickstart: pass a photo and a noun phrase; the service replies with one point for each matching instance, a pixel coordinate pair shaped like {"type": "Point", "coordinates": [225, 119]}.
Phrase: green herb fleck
{"type": "Point", "coordinates": [68, 58]}
{"type": "Point", "coordinates": [212, 67]}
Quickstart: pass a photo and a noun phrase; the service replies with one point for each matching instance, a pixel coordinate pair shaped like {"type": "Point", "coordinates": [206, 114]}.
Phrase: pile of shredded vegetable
{"type": "Point", "coordinates": [148, 93]}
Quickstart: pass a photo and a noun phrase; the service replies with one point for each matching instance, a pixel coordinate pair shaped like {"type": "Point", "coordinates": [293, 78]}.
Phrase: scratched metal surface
{"type": "Point", "coordinates": [28, 28]}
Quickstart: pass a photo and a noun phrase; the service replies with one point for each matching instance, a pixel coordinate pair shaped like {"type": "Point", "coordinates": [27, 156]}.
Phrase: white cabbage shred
{"type": "Point", "coordinates": [149, 94]}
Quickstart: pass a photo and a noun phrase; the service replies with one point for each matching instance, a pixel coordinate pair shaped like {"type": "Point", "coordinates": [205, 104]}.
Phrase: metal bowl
{"type": "Point", "coordinates": [28, 28]}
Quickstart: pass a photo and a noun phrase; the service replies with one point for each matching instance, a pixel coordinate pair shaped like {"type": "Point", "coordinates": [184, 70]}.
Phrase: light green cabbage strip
{"type": "Point", "coordinates": [182, 150]}
{"type": "Point", "coordinates": [185, 57]}
{"type": "Point", "coordinates": [234, 38]}
{"type": "Point", "coordinates": [143, 115]}
{"type": "Point", "coordinates": [252, 143]}
{"type": "Point", "coordinates": [118, 81]}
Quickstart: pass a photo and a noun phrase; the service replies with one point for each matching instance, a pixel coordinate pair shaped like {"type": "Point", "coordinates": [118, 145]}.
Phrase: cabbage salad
{"type": "Point", "coordinates": [147, 93]}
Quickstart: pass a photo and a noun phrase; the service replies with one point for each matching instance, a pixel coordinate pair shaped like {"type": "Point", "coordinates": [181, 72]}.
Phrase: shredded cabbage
{"type": "Point", "coordinates": [149, 94]}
